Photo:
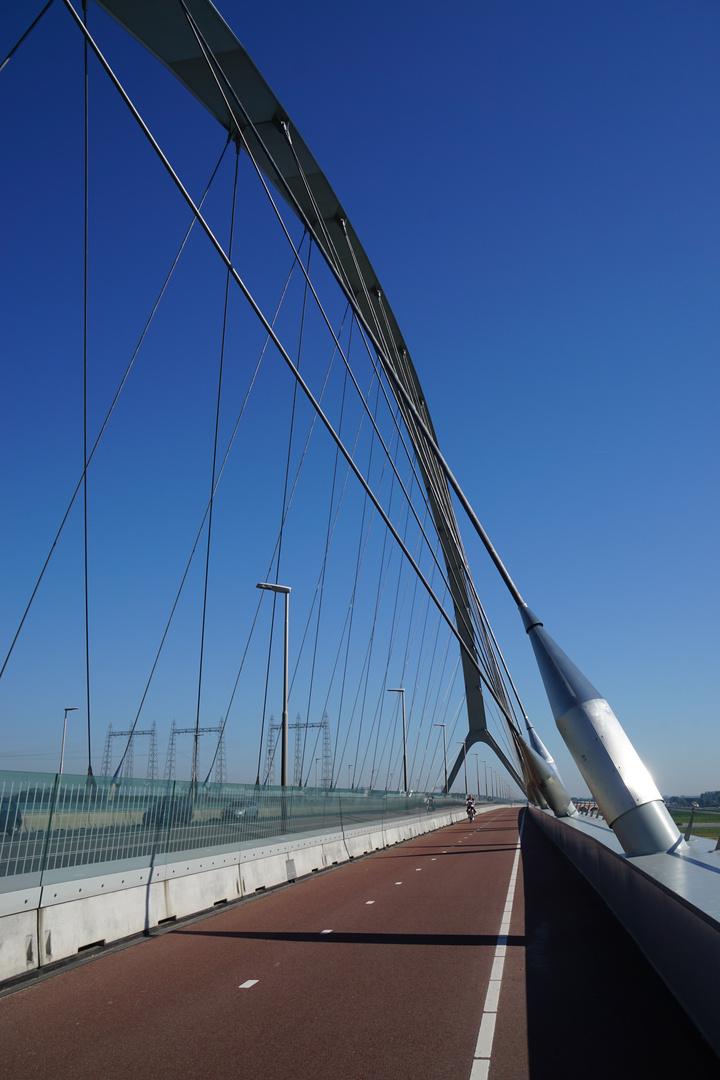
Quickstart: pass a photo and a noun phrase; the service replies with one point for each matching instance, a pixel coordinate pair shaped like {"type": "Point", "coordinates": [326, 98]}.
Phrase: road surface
{"type": "Point", "coordinates": [391, 966]}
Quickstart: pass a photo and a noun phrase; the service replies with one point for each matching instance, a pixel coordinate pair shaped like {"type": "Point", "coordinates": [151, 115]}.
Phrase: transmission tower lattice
{"type": "Point", "coordinates": [128, 769]}
{"type": "Point", "coordinates": [300, 727]}
{"type": "Point", "coordinates": [220, 768]}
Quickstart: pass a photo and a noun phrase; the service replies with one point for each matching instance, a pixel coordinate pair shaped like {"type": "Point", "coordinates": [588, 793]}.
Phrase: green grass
{"type": "Point", "coordinates": [704, 823]}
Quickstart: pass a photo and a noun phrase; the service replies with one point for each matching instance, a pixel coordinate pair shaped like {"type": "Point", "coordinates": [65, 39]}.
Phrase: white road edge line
{"type": "Point", "coordinates": [483, 1047]}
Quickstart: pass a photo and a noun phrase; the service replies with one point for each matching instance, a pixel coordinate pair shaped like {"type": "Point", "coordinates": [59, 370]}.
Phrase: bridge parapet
{"type": "Point", "coordinates": [669, 903]}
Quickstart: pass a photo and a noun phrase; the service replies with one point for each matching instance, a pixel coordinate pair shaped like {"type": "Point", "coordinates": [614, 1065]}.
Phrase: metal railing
{"type": "Point", "coordinates": [700, 810]}
{"type": "Point", "coordinates": [61, 827]}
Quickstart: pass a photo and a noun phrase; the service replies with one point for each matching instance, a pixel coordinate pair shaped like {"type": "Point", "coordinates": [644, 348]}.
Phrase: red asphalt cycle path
{"type": "Point", "coordinates": [394, 990]}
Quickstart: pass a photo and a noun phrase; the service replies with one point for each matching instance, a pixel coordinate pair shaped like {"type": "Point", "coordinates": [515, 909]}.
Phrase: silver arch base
{"type": "Point", "coordinates": [647, 829]}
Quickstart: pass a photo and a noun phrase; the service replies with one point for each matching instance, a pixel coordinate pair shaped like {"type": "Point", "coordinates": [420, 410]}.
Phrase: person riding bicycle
{"type": "Point", "coordinates": [470, 807]}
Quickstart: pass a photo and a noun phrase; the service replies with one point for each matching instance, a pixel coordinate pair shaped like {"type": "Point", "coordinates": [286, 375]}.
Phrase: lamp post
{"type": "Point", "coordinates": [316, 765]}
{"type": "Point", "coordinates": [285, 590]}
{"type": "Point", "coordinates": [350, 765]}
{"type": "Point", "coordinates": [464, 762]}
{"type": "Point", "coordinates": [477, 771]}
{"type": "Point", "coordinates": [485, 767]}
{"type": "Point", "coordinates": [444, 754]}
{"type": "Point", "coordinates": [401, 690]}
{"type": "Point", "coordinates": [73, 708]}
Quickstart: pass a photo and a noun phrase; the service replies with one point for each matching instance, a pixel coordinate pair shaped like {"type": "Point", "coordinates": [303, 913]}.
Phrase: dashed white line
{"type": "Point", "coordinates": [398, 882]}
{"type": "Point", "coordinates": [326, 931]}
{"type": "Point", "coordinates": [483, 1048]}
{"type": "Point", "coordinates": [248, 984]}
{"type": "Point", "coordinates": [369, 901]}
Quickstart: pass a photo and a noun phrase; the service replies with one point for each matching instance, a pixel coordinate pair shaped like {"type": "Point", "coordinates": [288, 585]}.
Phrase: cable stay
{"type": "Point", "coordinates": [384, 434]}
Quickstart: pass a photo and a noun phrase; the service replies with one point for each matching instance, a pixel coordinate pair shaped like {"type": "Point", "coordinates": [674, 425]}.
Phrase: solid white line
{"type": "Point", "coordinates": [483, 1049]}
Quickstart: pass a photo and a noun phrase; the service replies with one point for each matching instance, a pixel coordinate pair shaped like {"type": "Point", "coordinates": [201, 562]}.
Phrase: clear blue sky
{"type": "Point", "coordinates": [536, 186]}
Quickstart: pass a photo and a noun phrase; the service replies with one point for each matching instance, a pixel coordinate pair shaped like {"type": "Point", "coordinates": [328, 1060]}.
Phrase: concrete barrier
{"type": "Point", "coordinates": [669, 904]}
{"type": "Point", "coordinates": [40, 927]}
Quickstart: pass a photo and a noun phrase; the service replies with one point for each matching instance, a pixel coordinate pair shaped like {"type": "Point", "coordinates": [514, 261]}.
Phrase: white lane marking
{"type": "Point", "coordinates": [398, 882]}
{"type": "Point", "coordinates": [418, 869]}
{"type": "Point", "coordinates": [326, 931]}
{"type": "Point", "coordinates": [248, 984]}
{"type": "Point", "coordinates": [369, 901]}
{"type": "Point", "coordinates": [483, 1048]}
{"type": "Point", "coordinates": [480, 1069]}
{"type": "Point", "coordinates": [485, 1035]}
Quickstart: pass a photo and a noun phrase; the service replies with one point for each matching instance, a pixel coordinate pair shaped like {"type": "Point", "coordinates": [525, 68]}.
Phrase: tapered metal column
{"type": "Point", "coordinates": [546, 781]}
{"type": "Point", "coordinates": [621, 785]}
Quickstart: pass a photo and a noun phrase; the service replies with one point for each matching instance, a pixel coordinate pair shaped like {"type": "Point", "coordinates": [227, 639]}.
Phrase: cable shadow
{"type": "Point", "coordinates": [467, 850]}
{"type": "Point", "coordinates": [346, 938]}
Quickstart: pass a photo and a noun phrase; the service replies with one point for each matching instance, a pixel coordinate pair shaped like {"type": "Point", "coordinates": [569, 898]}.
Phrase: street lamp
{"type": "Point", "coordinates": [477, 771]}
{"type": "Point", "coordinates": [401, 690]}
{"type": "Point", "coordinates": [73, 708]}
{"type": "Point", "coordinates": [285, 590]}
{"type": "Point", "coordinates": [444, 754]}
{"type": "Point", "coordinates": [316, 765]}
{"type": "Point", "coordinates": [464, 762]}
{"type": "Point", "coordinates": [485, 766]}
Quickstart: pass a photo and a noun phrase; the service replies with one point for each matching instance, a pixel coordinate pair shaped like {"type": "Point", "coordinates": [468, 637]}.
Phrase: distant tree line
{"type": "Point", "coordinates": [708, 798]}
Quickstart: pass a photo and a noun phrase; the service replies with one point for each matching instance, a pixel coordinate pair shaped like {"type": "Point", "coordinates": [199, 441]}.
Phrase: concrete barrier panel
{"type": "Point", "coordinates": [66, 929]}
{"type": "Point", "coordinates": [18, 944]}
{"type": "Point", "coordinates": [334, 852]}
{"type": "Point", "coordinates": [265, 873]}
{"type": "Point", "coordinates": [198, 892]}
{"type": "Point", "coordinates": [304, 861]}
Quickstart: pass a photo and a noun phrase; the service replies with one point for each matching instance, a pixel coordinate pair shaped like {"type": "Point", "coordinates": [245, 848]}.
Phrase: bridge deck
{"type": "Point", "coordinates": [378, 969]}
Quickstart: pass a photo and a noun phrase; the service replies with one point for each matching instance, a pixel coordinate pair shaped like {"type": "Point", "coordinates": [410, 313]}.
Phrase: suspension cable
{"type": "Point", "coordinates": [29, 30]}
{"type": "Point", "coordinates": [108, 414]}
{"type": "Point", "coordinates": [214, 465]}
{"type": "Point", "coordinates": [85, 388]}
{"type": "Point", "coordinates": [271, 332]}
{"type": "Point", "coordinates": [216, 71]}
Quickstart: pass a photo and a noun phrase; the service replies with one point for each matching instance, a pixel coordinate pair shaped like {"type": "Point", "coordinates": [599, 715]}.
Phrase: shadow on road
{"type": "Point", "coordinates": [345, 938]}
